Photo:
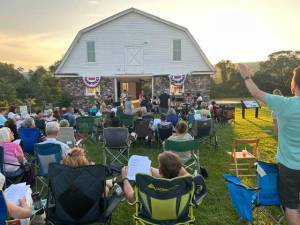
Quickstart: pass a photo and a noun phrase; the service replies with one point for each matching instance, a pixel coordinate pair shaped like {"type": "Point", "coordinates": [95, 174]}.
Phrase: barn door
{"type": "Point", "coordinates": [134, 59]}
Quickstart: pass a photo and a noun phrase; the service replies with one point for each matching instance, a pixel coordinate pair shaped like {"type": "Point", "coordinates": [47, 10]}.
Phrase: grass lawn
{"type": "Point", "coordinates": [216, 208]}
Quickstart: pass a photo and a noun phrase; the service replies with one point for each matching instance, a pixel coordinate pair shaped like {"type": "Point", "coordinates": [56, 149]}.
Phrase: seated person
{"type": "Point", "coordinates": [69, 115]}
{"type": "Point", "coordinates": [204, 111]}
{"type": "Point", "coordinates": [146, 115]}
{"type": "Point", "coordinates": [52, 129]}
{"type": "Point", "coordinates": [93, 111]}
{"type": "Point", "coordinates": [13, 154]}
{"type": "Point", "coordinates": [64, 123]}
{"type": "Point", "coordinates": [172, 117]}
{"type": "Point", "coordinates": [40, 122]}
{"type": "Point", "coordinates": [20, 211]}
{"type": "Point", "coordinates": [182, 135]}
{"type": "Point", "coordinates": [113, 121]}
{"type": "Point", "coordinates": [12, 125]}
{"type": "Point", "coordinates": [169, 167]}
{"type": "Point", "coordinates": [162, 121]}
{"type": "Point", "coordinates": [29, 135]}
{"type": "Point", "coordinates": [77, 158]}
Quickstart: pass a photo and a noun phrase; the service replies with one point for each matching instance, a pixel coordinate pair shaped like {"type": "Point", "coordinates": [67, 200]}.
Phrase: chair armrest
{"type": "Point", "coordinates": [78, 142]}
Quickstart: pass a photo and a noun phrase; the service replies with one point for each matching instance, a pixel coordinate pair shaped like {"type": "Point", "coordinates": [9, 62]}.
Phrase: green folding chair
{"type": "Point", "coordinates": [164, 201]}
{"type": "Point", "coordinates": [192, 164]}
{"type": "Point", "coordinates": [85, 126]}
{"type": "Point", "coordinates": [127, 121]}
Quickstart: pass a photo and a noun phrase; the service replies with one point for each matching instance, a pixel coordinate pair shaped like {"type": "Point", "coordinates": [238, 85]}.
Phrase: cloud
{"type": "Point", "coordinates": [28, 51]}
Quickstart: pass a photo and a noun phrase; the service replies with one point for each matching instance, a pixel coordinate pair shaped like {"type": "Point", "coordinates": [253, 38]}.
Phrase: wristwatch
{"type": "Point", "coordinates": [247, 78]}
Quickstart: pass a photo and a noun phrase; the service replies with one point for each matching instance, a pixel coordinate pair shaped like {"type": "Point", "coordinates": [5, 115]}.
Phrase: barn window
{"type": "Point", "coordinates": [177, 50]}
{"type": "Point", "coordinates": [92, 91]}
{"type": "Point", "coordinates": [90, 49]}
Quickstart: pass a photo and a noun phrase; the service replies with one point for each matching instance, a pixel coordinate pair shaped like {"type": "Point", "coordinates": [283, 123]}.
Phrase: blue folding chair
{"type": "Point", "coordinates": [29, 137]}
{"type": "Point", "coordinates": [46, 154]}
{"type": "Point", "coordinates": [245, 199]}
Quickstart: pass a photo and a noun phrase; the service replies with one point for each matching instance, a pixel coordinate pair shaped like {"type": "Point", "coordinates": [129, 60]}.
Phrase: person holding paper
{"type": "Point", "coordinates": [21, 211]}
{"type": "Point", "coordinates": [169, 167]}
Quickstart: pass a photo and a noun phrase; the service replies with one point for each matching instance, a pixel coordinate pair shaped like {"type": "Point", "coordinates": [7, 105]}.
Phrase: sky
{"type": "Point", "coordinates": [39, 32]}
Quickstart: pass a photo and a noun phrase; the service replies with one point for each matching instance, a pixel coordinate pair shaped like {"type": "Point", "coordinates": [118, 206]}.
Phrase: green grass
{"type": "Point", "coordinates": [216, 208]}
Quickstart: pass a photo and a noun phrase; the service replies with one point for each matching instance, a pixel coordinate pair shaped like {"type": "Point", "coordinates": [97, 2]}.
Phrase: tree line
{"type": "Point", "coordinates": [36, 87]}
{"type": "Point", "coordinates": [274, 73]}
{"type": "Point", "coordinates": [40, 87]}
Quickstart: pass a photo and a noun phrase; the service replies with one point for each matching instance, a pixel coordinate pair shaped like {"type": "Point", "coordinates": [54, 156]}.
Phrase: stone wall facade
{"type": "Point", "coordinates": [198, 84]}
{"type": "Point", "coordinates": [193, 84]}
{"type": "Point", "coordinates": [160, 83]}
{"type": "Point", "coordinates": [76, 88]}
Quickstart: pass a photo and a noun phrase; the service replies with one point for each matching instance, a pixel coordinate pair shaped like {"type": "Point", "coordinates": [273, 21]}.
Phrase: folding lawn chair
{"type": "Point", "coordinates": [45, 154]}
{"type": "Point", "coordinates": [116, 144]}
{"type": "Point", "coordinates": [29, 137]}
{"type": "Point", "coordinates": [85, 126]}
{"type": "Point", "coordinates": [164, 201]}
{"type": "Point", "coordinates": [204, 131]}
{"type": "Point", "coordinates": [9, 179]}
{"type": "Point", "coordinates": [245, 199]}
{"type": "Point", "coordinates": [141, 128]}
{"type": "Point", "coordinates": [177, 146]}
{"type": "Point", "coordinates": [77, 195]}
{"type": "Point", "coordinates": [164, 132]}
{"type": "Point", "coordinates": [243, 161]}
{"type": "Point", "coordinates": [127, 121]}
{"type": "Point", "coordinates": [67, 136]}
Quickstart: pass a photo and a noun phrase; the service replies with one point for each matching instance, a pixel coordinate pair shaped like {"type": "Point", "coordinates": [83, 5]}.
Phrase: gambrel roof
{"type": "Point", "coordinates": [134, 10]}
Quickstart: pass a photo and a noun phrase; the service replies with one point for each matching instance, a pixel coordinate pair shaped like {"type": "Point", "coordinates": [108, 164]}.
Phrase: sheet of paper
{"type": "Point", "coordinates": [260, 171]}
{"type": "Point", "coordinates": [138, 164]}
{"type": "Point", "coordinates": [156, 122]}
{"type": "Point", "coordinates": [15, 192]}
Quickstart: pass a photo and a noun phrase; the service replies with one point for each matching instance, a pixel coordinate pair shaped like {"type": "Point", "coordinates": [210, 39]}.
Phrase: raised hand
{"type": "Point", "coordinates": [244, 70]}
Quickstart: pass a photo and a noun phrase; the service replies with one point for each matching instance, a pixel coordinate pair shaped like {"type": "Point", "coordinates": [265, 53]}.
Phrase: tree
{"type": "Point", "coordinates": [276, 72]}
{"type": "Point", "coordinates": [231, 84]}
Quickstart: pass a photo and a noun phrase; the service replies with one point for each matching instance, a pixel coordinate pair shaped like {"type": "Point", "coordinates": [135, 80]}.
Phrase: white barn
{"type": "Point", "coordinates": [129, 50]}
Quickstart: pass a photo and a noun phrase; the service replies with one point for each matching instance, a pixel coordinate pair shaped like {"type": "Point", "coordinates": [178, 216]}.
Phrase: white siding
{"type": "Point", "coordinates": [134, 30]}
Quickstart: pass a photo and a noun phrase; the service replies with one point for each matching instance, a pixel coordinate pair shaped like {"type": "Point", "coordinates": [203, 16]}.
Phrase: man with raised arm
{"type": "Point", "coordinates": [287, 110]}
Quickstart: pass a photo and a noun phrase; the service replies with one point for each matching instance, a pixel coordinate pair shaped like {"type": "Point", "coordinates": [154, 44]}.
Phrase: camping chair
{"type": "Point", "coordinates": [204, 131]}
{"type": "Point", "coordinates": [164, 132]}
{"type": "Point", "coordinates": [243, 161]}
{"type": "Point", "coordinates": [9, 179]}
{"type": "Point", "coordinates": [77, 195]}
{"type": "Point", "coordinates": [85, 126]}
{"type": "Point", "coordinates": [45, 154]}
{"type": "Point", "coordinates": [245, 199]}
{"type": "Point", "coordinates": [141, 128]}
{"type": "Point", "coordinates": [116, 144]}
{"type": "Point", "coordinates": [164, 201]}
{"type": "Point", "coordinates": [192, 164]}
{"type": "Point", "coordinates": [227, 114]}
{"type": "Point", "coordinates": [29, 137]}
{"type": "Point", "coordinates": [67, 136]}
{"type": "Point", "coordinates": [127, 121]}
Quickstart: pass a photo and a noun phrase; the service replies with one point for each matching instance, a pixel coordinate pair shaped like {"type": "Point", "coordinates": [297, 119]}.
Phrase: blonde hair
{"type": "Point", "coordinates": [5, 134]}
{"type": "Point", "coordinates": [76, 158]}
